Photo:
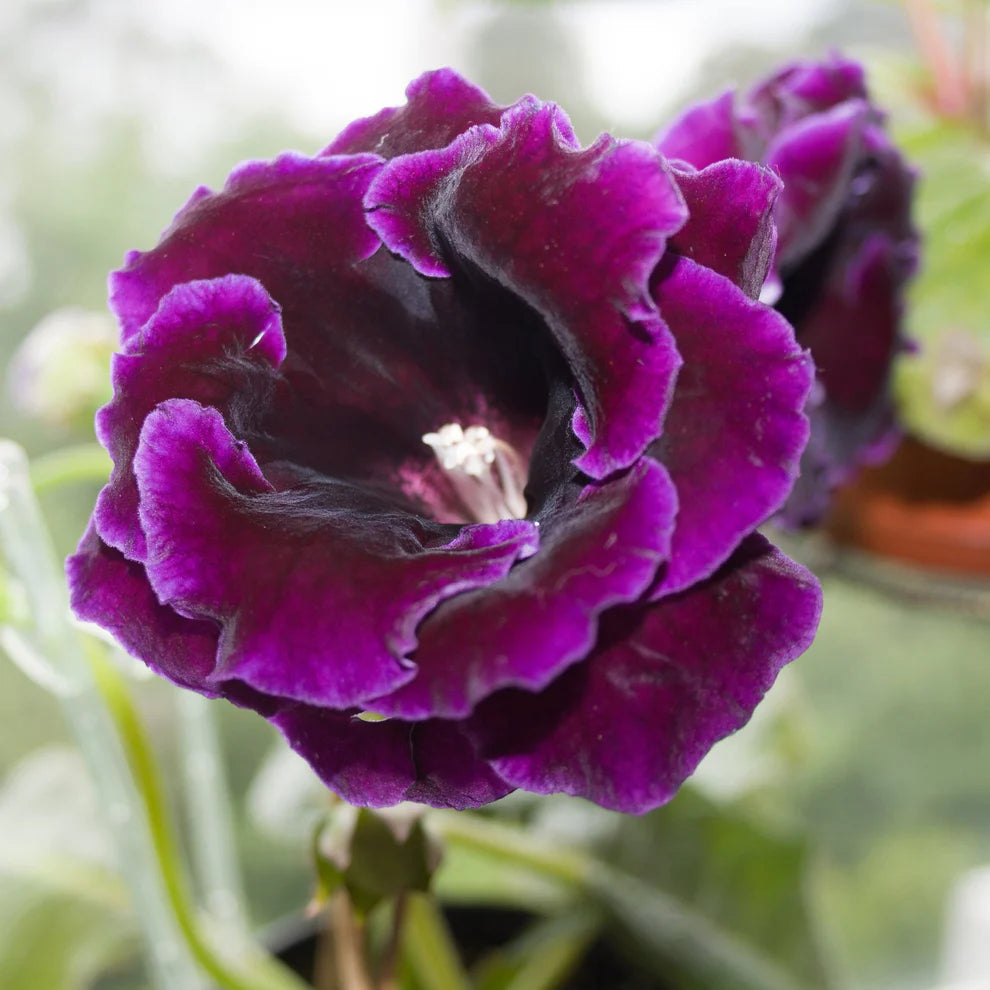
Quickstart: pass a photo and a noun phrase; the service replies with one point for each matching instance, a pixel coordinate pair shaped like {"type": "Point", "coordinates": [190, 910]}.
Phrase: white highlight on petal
{"type": "Point", "coordinates": [486, 473]}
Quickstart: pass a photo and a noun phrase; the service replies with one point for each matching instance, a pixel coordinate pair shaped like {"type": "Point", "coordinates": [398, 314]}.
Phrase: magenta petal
{"type": "Point", "coordinates": [736, 427]}
{"type": "Point", "coordinates": [441, 105]}
{"type": "Point", "coordinates": [806, 87]}
{"type": "Point", "coordinates": [730, 226]}
{"type": "Point", "coordinates": [114, 592]}
{"type": "Point", "coordinates": [816, 159]}
{"type": "Point", "coordinates": [575, 234]}
{"type": "Point", "coordinates": [543, 616]}
{"type": "Point", "coordinates": [289, 223]}
{"type": "Point", "coordinates": [704, 134]}
{"type": "Point", "coordinates": [218, 342]}
{"type": "Point", "coordinates": [395, 199]}
{"type": "Point", "coordinates": [377, 764]}
{"type": "Point", "coordinates": [853, 330]}
{"type": "Point", "coordinates": [318, 589]}
{"type": "Point", "coordinates": [625, 728]}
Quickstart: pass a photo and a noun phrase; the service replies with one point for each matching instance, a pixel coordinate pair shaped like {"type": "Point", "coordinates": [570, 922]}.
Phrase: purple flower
{"type": "Point", "coordinates": [845, 247]}
{"type": "Point", "coordinates": [444, 451]}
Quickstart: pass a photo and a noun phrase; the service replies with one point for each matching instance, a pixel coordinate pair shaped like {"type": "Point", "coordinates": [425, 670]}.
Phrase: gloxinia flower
{"type": "Point", "coordinates": [444, 450]}
{"type": "Point", "coordinates": [845, 247]}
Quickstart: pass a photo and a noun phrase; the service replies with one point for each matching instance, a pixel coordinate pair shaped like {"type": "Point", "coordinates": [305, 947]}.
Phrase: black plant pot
{"type": "Point", "coordinates": [477, 931]}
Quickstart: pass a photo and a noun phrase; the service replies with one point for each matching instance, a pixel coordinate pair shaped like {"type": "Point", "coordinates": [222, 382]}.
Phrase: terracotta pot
{"type": "Point", "coordinates": [922, 507]}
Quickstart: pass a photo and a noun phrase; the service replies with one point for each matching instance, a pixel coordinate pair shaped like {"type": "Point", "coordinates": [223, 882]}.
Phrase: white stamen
{"type": "Point", "coordinates": [487, 474]}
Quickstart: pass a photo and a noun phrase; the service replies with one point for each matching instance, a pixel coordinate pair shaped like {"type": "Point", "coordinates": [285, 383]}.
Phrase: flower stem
{"type": "Point", "coordinates": [663, 926]}
{"type": "Point", "coordinates": [429, 948]}
{"type": "Point", "coordinates": [502, 841]}
{"type": "Point", "coordinates": [264, 973]}
{"type": "Point", "coordinates": [214, 848]}
{"type": "Point", "coordinates": [348, 943]}
{"type": "Point", "coordinates": [388, 978]}
{"type": "Point", "coordinates": [52, 653]}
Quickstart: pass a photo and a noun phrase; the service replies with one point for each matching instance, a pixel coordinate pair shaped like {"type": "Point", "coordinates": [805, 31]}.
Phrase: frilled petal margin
{"type": "Point", "coordinates": [582, 260]}
{"type": "Point", "coordinates": [853, 330]}
{"type": "Point", "coordinates": [377, 764]}
{"type": "Point", "coordinates": [816, 159]}
{"type": "Point", "coordinates": [665, 682]}
{"type": "Point", "coordinates": [704, 134]}
{"type": "Point", "coordinates": [806, 87]}
{"type": "Point", "coordinates": [734, 434]}
{"type": "Point", "coordinates": [288, 223]}
{"type": "Point", "coordinates": [217, 341]}
{"type": "Point", "coordinates": [440, 106]}
{"type": "Point", "coordinates": [113, 592]}
{"type": "Point", "coordinates": [730, 225]}
{"type": "Point", "coordinates": [541, 618]}
{"type": "Point", "coordinates": [319, 589]}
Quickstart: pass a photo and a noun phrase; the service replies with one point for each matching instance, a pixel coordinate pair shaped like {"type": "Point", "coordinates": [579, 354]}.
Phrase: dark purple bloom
{"type": "Point", "coordinates": [464, 426]}
{"type": "Point", "coordinates": [845, 247]}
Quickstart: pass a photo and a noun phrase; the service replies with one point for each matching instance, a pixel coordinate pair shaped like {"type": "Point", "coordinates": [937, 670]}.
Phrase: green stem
{"type": "Point", "coordinates": [429, 948]}
{"type": "Point", "coordinates": [663, 926]}
{"type": "Point", "coordinates": [214, 848]}
{"type": "Point", "coordinates": [267, 974]}
{"type": "Point", "coordinates": [70, 465]}
{"type": "Point", "coordinates": [504, 842]}
{"type": "Point", "coordinates": [52, 653]}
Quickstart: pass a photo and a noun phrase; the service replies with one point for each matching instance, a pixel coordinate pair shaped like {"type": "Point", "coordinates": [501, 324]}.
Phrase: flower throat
{"type": "Point", "coordinates": [486, 474]}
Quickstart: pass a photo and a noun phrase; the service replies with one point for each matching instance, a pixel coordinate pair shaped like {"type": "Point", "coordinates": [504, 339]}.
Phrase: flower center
{"type": "Point", "coordinates": [486, 474]}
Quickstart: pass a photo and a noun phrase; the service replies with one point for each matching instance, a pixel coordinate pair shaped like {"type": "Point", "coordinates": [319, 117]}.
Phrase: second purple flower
{"type": "Point", "coordinates": [846, 247]}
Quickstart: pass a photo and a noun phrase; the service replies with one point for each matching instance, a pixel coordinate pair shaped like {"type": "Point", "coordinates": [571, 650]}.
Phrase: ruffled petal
{"type": "Point", "coordinates": [289, 223]}
{"type": "Point", "coordinates": [575, 234]}
{"type": "Point", "coordinates": [816, 159]}
{"type": "Point", "coordinates": [543, 616]}
{"type": "Point", "coordinates": [803, 88]}
{"type": "Point", "coordinates": [852, 329]}
{"type": "Point", "coordinates": [219, 342]}
{"type": "Point", "coordinates": [730, 226]}
{"type": "Point", "coordinates": [736, 428]}
{"type": "Point", "coordinates": [440, 106]}
{"type": "Point", "coordinates": [625, 728]}
{"type": "Point", "coordinates": [703, 134]}
{"type": "Point", "coordinates": [318, 589]}
{"type": "Point", "coordinates": [114, 592]}
{"type": "Point", "coordinates": [380, 763]}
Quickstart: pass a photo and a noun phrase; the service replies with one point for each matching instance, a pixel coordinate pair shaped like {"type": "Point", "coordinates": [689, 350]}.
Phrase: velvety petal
{"type": "Point", "coordinates": [289, 223]}
{"type": "Point", "coordinates": [318, 589]}
{"type": "Point", "coordinates": [804, 88]}
{"type": "Point", "coordinates": [219, 342]}
{"type": "Point", "coordinates": [114, 592]}
{"type": "Point", "coordinates": [730, 226]}
{"type": "Point", "coordinates": [852, 329]}
{"type": "Point", "coordinates": [625, 728]}
{"type": "Point", "coordinates": [816, 159]}
{"type": "Point", "coordinates": [575, 234]}
{"type": "Point", "coordinates": [841, 442]}
{"type": "Point", "coordinates": [542, 617]}
{"type": "Point", "coordinates": [703, 134]}
{"type": "Point", "coordinates": [736, 427]}
{"type": "Point", "coordinates": [377, 764]}
{"type": "Point", "coordinates": [440, 106]}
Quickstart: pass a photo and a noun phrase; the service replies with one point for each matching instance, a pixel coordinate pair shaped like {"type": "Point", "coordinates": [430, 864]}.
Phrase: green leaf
{"type": "Point", "coordinates": [543, 957]}
{"type": "Point", "coordinates": [944, 394]}
{"type": "Point", "coordinates": [707, 894]}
